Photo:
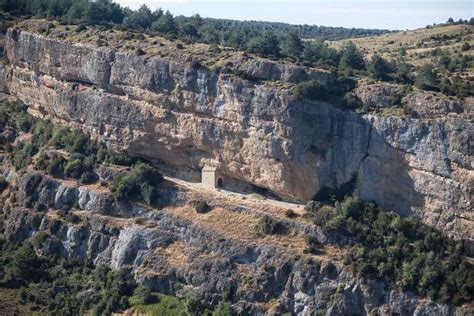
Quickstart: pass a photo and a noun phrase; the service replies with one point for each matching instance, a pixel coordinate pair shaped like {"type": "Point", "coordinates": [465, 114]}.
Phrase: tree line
{"type": "Point", "coordinates": [269, 38]}
{"type": "Point", "coordinates": [274, 40]}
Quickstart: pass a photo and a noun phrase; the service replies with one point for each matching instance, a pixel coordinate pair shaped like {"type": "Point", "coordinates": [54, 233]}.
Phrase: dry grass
{"type": "Point", "coordinates": [10, 303]}
{"type": "Point", "coordinates": [417, 43]}
{"type": "Point", "coordinates": [228, 199]}
{"type": "Point", "coordinates": [174, 254]}
{"type": "Point", "coordinates": [238, 226]}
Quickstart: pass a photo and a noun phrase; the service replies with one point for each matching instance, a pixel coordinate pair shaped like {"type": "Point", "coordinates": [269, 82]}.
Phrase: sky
{"type": "Point", "coordinates": [381, 14]}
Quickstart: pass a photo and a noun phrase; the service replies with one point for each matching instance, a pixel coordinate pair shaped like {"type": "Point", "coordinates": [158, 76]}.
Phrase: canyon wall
{"type": "Point", "coordinates": [257, 133]}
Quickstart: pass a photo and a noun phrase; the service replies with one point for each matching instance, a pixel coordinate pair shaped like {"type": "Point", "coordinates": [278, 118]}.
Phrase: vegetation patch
{"type": "Point", "coordinates": [138, 184]}
{"type": "Point", "coordinates": [201, 206]}
{"type": "Point", "coordinates": [312, 90]}
{"type": "Point", "coordinates": [267, 225]}
{"type": "Point", "coordinates": [400, 251]}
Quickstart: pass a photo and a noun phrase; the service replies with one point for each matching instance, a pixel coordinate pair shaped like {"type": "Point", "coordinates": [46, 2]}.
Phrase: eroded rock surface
{"type": "Point", "coordinates": [254, 133]}
{"type": "Point", "coordinates": [176, 256]}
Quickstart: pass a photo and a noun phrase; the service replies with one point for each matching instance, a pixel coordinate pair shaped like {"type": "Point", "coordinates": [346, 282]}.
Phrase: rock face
{"type": "Point", "coordinates": [254, 133]}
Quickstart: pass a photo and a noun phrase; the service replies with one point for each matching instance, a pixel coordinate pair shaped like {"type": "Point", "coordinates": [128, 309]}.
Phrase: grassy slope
{"type": "Point", "coordinates": [416, 42]}
{"type": "Point", "coordinates": [166, 305]}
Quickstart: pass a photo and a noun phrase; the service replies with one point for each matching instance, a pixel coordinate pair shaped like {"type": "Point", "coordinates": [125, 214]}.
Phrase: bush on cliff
{"type": "Point", "coordinates": [55, 166]}
{"type": "Point", "coordinates": [22, 155]}
{"type": "Point", "coordinates": [201, 206]}
{"type": "Point", "coordinates": [74, 168]}
{"type": "Point", "coordinates": [25, 266]}
{"type": "Point", "coordinates": [138, 184]}
{"type": "Point", "coordinates": [267, 225]}
{"type": "Point", "coordinates": [144, 296]}
{"type": "Point", "coordinates": [312, 90]}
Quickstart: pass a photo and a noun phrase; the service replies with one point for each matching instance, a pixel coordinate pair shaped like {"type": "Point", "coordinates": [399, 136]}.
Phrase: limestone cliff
{"type": "Point", "coordinates": [255, 132]}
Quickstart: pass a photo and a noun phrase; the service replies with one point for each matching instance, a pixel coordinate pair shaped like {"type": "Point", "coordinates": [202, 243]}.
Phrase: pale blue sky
{"type": "Point", "coordinates": [385, 14]}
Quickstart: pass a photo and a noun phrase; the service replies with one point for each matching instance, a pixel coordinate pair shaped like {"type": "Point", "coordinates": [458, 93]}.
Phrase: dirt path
{"type": "Point", "coordinates": [250, 200]}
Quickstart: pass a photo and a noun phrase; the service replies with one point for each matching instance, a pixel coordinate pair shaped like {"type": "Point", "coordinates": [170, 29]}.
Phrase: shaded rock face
{"type": "Point", "coordinates": [186, 118]}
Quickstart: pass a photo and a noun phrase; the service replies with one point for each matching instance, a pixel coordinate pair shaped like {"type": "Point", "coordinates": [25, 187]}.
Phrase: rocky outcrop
{"type": "Point", "coordinates": [379, 95]}
{"type": "Point", "coordinates": [175, 256]}
{"type": "Point", "coordinates": [267, 70]}
{"type": "Point", "coordinates": [185, 118]}
{"type": "Point", "coordinates": [432, 105]}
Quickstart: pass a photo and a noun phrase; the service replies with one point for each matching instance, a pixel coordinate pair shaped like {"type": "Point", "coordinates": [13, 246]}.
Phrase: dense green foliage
{"type": "Point", "coordinates": [400, 251]}
{"type": "Point", "coordinates": [67, 286]}
{"type": "Point", "coordinates": [379, 68]}
{"type": "Point", "coordinates": [312, 90]}
{"type": "Point", "coordinates": [351, 58]}
{"type": "Point", "coordinates": [160, 304]}
{"type": "Point", "coordinates": [267, 225]}
{"type": "Point", "coordinates": [427, 78]}
{"type": "Point", "coordinates": [55, 285]}
{"type": "Point", "coordinates": [137, 184]}
{"type": "Point", "coordinates": [267, 38]}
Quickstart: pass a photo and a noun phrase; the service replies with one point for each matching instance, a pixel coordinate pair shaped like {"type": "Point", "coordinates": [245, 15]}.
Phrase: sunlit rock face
{"type": "Point", "coordinates": [257, 134]}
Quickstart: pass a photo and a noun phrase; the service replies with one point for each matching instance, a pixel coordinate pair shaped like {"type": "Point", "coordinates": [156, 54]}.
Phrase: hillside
{"type": "Point", "coordinates": [144, 170]}
{"type": "Point", "coordinates": [419, 46]}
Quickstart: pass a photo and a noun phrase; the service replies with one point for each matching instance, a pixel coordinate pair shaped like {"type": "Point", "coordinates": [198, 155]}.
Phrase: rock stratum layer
{"type": "Point", "coordinates": [256, 133]}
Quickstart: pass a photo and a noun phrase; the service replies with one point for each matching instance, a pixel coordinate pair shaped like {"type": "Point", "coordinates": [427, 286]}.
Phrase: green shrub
{"type": "Point", "coordinates": [25, 266]}
{"type": "Point", "coordinates": [78, 142]}
{"type": "Point", "coordinates": [267, 225]}
{"type": "Point", "coordinates": [22, 155]}
{"type": "Point", "coordinates": [139, 184]}
{"type": "Point", "coordinates": [42, 132]}
{"type": "Point", "coordinates": [24, 122]}
{"type": "Point", "coordinates": [312, 90]}
{"type": "Point", "coordinates": [312, 206]}
{"type": "Point", "coordinates": [427, 78]}
{"type": "Point", "coordinates": [265, 44]}
{"type": "Point", "coordinates": [119, 158]}
{"type": "Point", "coordinates": [74, 168]}
{"type": "Point", "coordinates": [351, 58]}
{"type": "Point", "coordinates": [80, 28]}
{"type": "Point", "coordinates": [351, 101]}
{"type": "Point", "coordinates": [403, 252]}
{"type": "Point", "coordinates": [223, 309]}
{"type": "Point", "coordinates": [88, 177]}
{"type": "Point", "coordinates": [39, 238]}
{"type": "Point", "coordinates": [144, 296]}
{"type": "Point", "coordinates": [56, 166]}
{"type": "Point", "coordinates": [196, 307]}
{"type": "Point", "coordinates": [60, 137]}
{"type": "Point", "coordinates": [201, 206]}
{"type": "Point", "coordinates": [313, 246]}
{"type": "Point", "coordinates": [379, 68]}
{"type": "Point", "coordinates": [328, 218]}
